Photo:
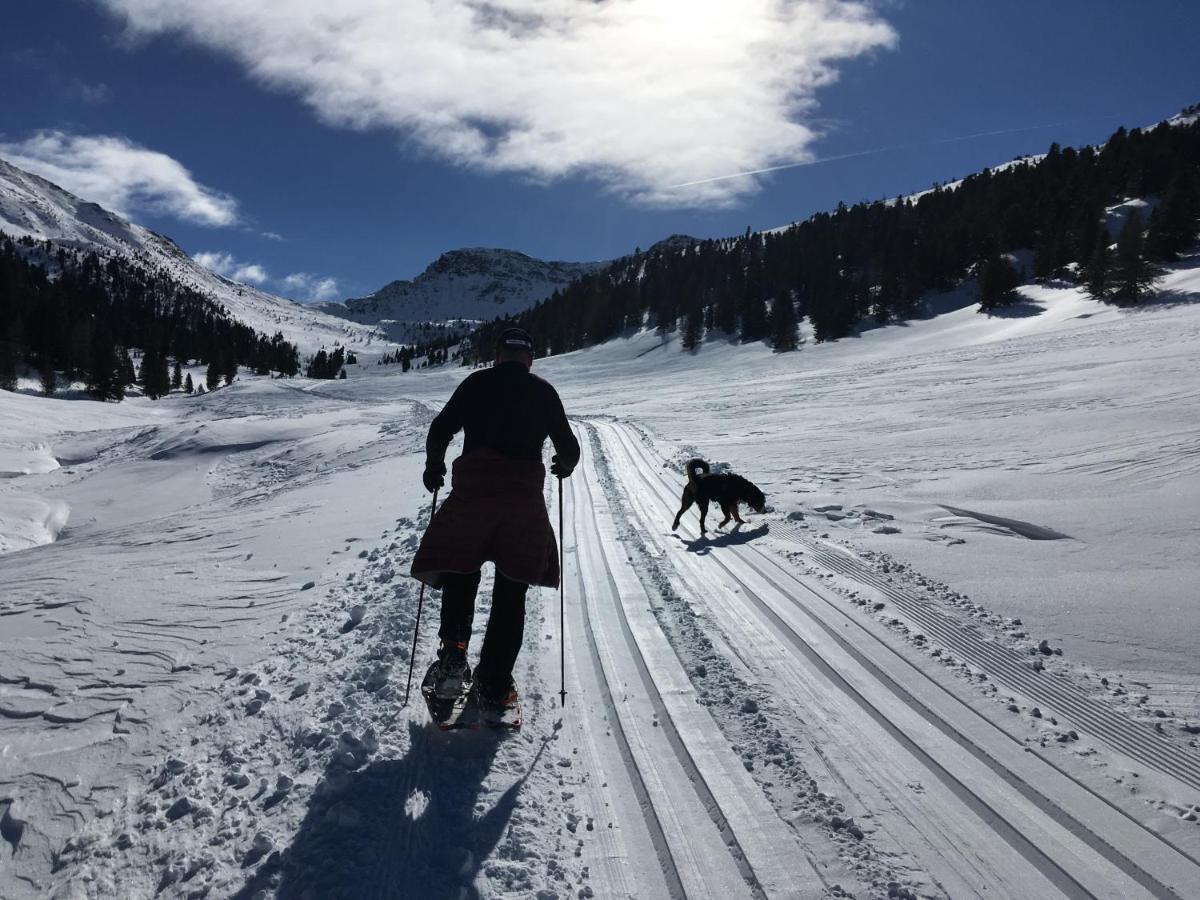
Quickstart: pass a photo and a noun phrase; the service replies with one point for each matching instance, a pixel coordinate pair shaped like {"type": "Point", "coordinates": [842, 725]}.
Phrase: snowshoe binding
{"type": "Point", "coordinates": [447, 684]}
{"type": "Point", "coordinates": [499, 707]}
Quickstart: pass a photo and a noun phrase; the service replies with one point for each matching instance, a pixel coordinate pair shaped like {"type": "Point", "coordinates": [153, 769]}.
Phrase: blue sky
{"type": "Point", "coordinates": [331, 173]}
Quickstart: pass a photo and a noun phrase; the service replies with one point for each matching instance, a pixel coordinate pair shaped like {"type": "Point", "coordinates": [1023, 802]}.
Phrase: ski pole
{"type": "Point", "coordinates": [421, 602]}
{"type": "Point", "coordinates": [562, 618]}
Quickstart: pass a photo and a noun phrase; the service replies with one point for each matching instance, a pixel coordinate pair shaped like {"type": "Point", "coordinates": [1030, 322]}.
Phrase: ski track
{"type": "Point", "coordinates": [688, 771]}
{"type": "Point", "coordinates": [1065, 834]}
{"type": "Point", "coordinates": [1014, 671]}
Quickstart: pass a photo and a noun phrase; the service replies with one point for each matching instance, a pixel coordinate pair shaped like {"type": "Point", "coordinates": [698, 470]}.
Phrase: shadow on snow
{"type": "Point", "coordinates": [704, 545]}
{"type": "Point", "coordinates": [399, 828]}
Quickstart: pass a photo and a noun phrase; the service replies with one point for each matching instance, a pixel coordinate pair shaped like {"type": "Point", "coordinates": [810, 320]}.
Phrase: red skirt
{"type": "Point", "coordinates": [495, 513]}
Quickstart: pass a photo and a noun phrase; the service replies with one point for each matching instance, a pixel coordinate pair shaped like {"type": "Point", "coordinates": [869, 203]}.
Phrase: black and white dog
{"type": "Point", "coordinates": [724, 488]}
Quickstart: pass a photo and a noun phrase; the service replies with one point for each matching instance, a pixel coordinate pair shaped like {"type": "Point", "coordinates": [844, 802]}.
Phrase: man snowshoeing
{"type": "Point", "coordinates": [495, 512]}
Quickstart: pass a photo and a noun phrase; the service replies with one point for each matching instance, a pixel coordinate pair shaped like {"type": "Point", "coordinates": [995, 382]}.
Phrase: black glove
{"type": "Point", "coordinates": [562, 470]}
{"type": "Point", "coordinates": [434, 477]}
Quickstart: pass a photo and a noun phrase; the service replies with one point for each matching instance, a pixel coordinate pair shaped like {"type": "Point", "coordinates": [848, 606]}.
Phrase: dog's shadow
{"type": "Point", "coordinates": [703, 545]}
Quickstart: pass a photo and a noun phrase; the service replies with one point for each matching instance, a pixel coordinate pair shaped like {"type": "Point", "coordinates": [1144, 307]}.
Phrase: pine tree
{"type": "Point", "coordinates": [998, 280]}
{"type": "Point", "coordinates": [177, 377]}
{"type": "Point", "coordinates": [8, 367]}
{"type": "Point", "coordinates": [156, 378]}
{"type": "Point", "coordinates": [754, 307]}
{"type": "Point", "coordinates": [212, 376]}
{"type": "Point", "coordinates": [105, 379]}
{"type": "Point", "coordinates": [48, 377]}
{"type": "Point", "coordinates": [1132, 274]}
{"type": "Point", "coordinates": [725, 314]}
{"type": "Point", "coordinates": [783, 324]}
{"type": "Point", "coordinates": [1050, 256]}
{"type": "Point", "coordinates": [693, 329]}
{"type": "Point", "coordinates": [125, 369]}
{"type": "Point", "coordinates": [1095, 274]}
{"type": "Point", "coordinates": [1174, 223]}
{"type": "Point", "coordinates": [162, 375]}
{"type": "Point", "coordinates": [188, 387]}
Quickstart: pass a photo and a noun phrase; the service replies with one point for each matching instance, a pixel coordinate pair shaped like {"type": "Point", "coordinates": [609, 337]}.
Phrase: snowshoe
{"type": "Point", "coordinates": [447, 684]}
{"type": "Point", "coordinates": [472, 711]}
{"type": "Point", "coordinates": [498, 709]}
{"type": "Point", "coordinates": [452, 677]}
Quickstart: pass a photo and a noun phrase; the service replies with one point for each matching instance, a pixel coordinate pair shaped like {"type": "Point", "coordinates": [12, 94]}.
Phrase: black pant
{"type": "Point", "coordinates": [505, 627]}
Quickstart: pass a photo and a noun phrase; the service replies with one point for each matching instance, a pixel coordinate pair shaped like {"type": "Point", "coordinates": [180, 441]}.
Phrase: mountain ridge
{"type": "Point", "coordinates": [35, 207]}
{"type": "Point", "coordinates": [466, 284]}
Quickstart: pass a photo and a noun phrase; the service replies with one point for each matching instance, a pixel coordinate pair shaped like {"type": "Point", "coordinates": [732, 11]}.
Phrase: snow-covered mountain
{"type": "Point", "coordinates": [473, 284]}
{"type": "Point", "coordinates": [34, 207]}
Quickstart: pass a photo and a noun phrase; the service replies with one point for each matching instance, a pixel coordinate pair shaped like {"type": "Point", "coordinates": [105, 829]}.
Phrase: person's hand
{"type": "Point", "coordinates": [560, 469]}
{"type": "Point", "coordinates": [434, 477]}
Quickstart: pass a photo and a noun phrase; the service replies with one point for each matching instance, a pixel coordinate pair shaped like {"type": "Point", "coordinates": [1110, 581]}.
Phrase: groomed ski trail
{"type": "Point", "coordinates": [991, 818]}
{"type": "Point", "coordinates": [715, 833]}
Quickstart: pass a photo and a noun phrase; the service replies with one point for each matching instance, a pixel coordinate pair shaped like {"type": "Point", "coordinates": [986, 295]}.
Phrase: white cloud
{"type": "Point", "coordinates": [302, 286]}
{"type": "Point", "coordinates": [642, 95]}
{"type": "Point", "coordinates": [310, 288]}
{"type": "Point", "coordinates": [224, 264]}
{"type": "Point", "coordinates": [122, 176]}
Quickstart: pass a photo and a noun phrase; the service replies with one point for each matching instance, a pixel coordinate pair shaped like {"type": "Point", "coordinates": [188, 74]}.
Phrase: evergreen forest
{"type": "Point", "coordinates": [876, 261]}
{"type": "Point", "coordinates": [78, 314]}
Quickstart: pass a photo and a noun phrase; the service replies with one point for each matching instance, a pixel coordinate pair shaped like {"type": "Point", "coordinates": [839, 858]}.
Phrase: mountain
{"type": "Point", "coordinates": [31, 206]}
{"type": "Point", "coordinates": [471, 284]}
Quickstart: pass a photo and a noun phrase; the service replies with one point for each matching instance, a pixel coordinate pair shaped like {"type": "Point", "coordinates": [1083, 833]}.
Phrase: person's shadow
{"type": "Point", "coordinates": [403, 828]}
{"type": "Point", "coordinates": [702, 546]}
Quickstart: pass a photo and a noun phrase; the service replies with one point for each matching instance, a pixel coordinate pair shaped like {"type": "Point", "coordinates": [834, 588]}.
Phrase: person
{"type": "Point", "coordinates": [495, 512]}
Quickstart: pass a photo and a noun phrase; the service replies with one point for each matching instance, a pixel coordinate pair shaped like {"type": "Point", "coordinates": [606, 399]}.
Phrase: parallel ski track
{"type": "Point", "coordinates": [658, 837]}
{"type": "Point", "coordinates": [764, 869]}
{"type": "Point", "coordinates": [1140, 743]}
{"type": "Point", "coordinates": [1146, 841]}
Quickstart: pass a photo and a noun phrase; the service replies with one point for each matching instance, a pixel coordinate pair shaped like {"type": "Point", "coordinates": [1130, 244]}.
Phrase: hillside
{"type": "Point", "coordinates": [880, 262]}
{"type": "Point", "coordinates": [31, 206]}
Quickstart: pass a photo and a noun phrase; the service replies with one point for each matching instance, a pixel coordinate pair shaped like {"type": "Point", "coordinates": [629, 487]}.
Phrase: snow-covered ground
{"type": "Point", "coordinates": [206, 624]}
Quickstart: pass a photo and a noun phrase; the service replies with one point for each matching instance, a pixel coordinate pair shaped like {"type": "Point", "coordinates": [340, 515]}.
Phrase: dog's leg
{"type": "Point", "coordinates": [703, 504]}
{"type": "Point", "coordinates": [686, 502]}
{"type": "Point", "coordinates": [724, 521]}
{"type": "Point", "coordinates": [736, 517]}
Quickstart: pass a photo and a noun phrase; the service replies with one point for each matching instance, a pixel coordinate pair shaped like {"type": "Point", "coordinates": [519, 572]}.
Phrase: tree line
{"type": "Point", "coordinates": [78, 313]}
{"type": "Point", "coordinates": [875, 261]}
{"type": "Point", "coordinates": [435, 352]}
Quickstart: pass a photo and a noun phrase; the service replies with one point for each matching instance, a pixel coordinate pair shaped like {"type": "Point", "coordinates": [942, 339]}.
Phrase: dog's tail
{"type": "Point", "coordinates": [697, 469]}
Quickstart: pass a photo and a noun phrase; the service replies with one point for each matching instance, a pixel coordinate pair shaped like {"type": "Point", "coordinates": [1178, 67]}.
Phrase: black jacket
{"type": "Point", "coordinates": [507, 409]}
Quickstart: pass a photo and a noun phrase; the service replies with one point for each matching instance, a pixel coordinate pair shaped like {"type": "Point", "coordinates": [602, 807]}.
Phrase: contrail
{"type": "Point", "coordinates": [826, 159]}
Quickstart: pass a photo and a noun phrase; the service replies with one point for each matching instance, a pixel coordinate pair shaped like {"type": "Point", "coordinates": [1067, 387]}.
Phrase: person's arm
{"type": "Point", "coordinates": [442, 429]}
{"type": "Point", "coordinates": [566, 447]}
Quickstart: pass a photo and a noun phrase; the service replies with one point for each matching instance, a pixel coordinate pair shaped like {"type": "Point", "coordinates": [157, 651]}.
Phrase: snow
{"type": "Point", "coordinates": [890, 684]}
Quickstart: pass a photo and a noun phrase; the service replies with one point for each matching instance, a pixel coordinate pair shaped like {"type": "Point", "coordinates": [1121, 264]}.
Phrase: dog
{"type": "Point", "coordinates": [725, 489]}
